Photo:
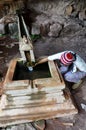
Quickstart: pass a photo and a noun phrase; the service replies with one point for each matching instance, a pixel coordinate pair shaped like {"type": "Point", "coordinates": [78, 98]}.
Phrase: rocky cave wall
{"type": "Point", "coordinates": [63, 21]}
{"type": "Point", "coordinates": [53, 16]}
{"type": "Point", "coordinates": [61, 7]}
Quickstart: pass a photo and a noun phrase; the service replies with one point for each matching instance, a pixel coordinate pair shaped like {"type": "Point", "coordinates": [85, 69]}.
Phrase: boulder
{"type": "Point", "coordinates": [55, 30]}
{"type": "Point", "coordinates": [82, 15]}
{"type": "Point", "coordinates": [35, 29]}
{"type": "Point", "coordinates": [68, 10]}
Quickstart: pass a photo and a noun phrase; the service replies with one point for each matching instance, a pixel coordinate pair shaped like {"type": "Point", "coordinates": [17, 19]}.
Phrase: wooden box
{"type": "Point", "coordinates": [27, 100]}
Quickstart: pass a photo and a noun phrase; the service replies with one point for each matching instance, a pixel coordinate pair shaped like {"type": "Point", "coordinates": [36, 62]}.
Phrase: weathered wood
{"type": "Point", "coordinates": [33, 96]}
{"type": "Point", "coordinates": [46, 115]}
{"type": "Point", "coordinates": [10, 72]}
{"type": "Point", "coordinates": [27, 118]}
{"type": "Point", "coordinates": [55, 80]}
{"type": "Point", "coordinates": [20, 84]}
{"type": "Point", "coordinates": [49, 99]}
{"type": "Point", "coordinates": [27, 93]}
{"type": "Point", "coordinates": [32, 56]}
{"type": "Point", "coordinates": [32, 104]}
{"type": "Point", "coordinates": [49, 82]}
{"type": "Point", "coordinates": [16, 91]}
{"type": "Point", "coordinates": [37, 110]}
{"type": "Point", "coordinates": [53, 71]}
{"type": "Point", "coordinates": [59, 73]}
{"type": "Point", "coordinates": [28, 100]}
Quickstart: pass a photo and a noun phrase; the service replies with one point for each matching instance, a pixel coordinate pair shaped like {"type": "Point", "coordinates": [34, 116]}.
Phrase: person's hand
{"type": "Point", "coordinates": [35, 64]}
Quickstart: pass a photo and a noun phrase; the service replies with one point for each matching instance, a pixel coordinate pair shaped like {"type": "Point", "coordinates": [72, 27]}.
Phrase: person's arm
{"type": "Point", "coordinates": [55, 56]}
{"type": "Point", "coordinates": [52, 57]}
{"type": "Point", "coordinates": [43, 60]}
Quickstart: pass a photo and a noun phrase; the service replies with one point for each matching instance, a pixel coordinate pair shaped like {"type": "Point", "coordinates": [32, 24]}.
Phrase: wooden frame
{"type": "Point", "coordinates": [26, 100]}
{"type": "Point", "coordinates": [55, 80]}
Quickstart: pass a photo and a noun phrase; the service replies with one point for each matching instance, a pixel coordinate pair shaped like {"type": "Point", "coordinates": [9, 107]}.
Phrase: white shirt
{"type": "Point", "coordinates": [79, 63]}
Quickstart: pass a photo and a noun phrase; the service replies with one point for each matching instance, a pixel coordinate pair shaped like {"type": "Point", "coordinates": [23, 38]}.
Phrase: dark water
{"type": "Point", "coordinates": [39, 71]}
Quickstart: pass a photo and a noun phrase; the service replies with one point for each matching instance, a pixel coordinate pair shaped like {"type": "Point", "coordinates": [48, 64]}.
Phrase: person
{"type": "Point", "coordinates": [72, 66]}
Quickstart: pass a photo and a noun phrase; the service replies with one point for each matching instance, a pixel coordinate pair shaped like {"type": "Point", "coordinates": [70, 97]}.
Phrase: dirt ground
{"type": "Point", "coordinates": [46, 46]}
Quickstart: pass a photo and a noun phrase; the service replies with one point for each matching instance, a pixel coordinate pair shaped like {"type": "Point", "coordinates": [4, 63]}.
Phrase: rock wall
{"type": "Point", "coordinates": [61, 22]}
{"type": "Point", "coordinates": [57, 6]}
{"type": "Point", "coordinates": [54, 15]}
{"type": "Point", "coordinates": [48, 6]}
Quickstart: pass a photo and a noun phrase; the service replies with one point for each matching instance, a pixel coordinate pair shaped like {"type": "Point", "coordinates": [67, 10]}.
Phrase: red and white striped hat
{"type": "Point", "coordinates": [67, 58]}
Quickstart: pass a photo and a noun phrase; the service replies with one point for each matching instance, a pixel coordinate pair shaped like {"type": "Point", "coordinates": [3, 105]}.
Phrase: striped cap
{"type": "Point", "coordinates": [67, 58]}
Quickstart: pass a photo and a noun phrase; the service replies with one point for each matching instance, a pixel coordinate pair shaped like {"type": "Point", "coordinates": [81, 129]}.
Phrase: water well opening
{"type": "Point", "coordinates": [22, 73]}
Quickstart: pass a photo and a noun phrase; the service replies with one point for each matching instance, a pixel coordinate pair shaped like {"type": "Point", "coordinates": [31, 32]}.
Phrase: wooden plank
{"type": "Point", "coordinates": [39, 103]}
{"type": "Point", "coordinates": [59, 113]}
{"type": "Point", "coordinates": [53, 71]}
{"type": "Point", "coordinates": [20, 84]}
{"type": "Point", "coordinates": [29, 91]}
{"type": "Point", "coordinates": [10, 72]}
{"type": "Point", "coordinates": [30, 100]}
{"type": "Point", "coordinates": [32, 56]}
{"type": "Point", "coordinates": [25, 91]}
{"type": "Point", "coordinates": [47, 89]}
{"type": "Point", "coordinates": [29, 110]}
{"type": "Point", "coordinates": [30, 95]}
{"type": "Point", "coordinates": [29, 118]}
{"type": "Point", "coordinates": [53, 81]}
{"type": "Point", "coordinates": [49, 82]}
{"type": "Point", "coordinates": [59, 73]}
{"type": "Point", "coordinates": [37, 94]}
